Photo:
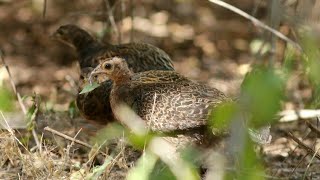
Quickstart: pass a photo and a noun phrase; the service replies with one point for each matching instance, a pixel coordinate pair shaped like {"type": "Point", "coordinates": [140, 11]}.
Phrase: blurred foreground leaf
{"type": "Point", "coordinates": [312, 65]}
{"type": "Point", "coordinates": [261, 95]}
{"type": "Point", "coordinates": [249, 167]}
{"type": "Point", "coordinates": [221, 117]}
{"type": "Point", "coordinates": [111, 131]}
{"type": "Point", "coordinates": [6, 100]}
{"type": "Point", "coordinates": [89, 87]}
{"type": "Point", "coordinates": [144, 167]}
{"type": "Point", "coordinates": [140, 141]}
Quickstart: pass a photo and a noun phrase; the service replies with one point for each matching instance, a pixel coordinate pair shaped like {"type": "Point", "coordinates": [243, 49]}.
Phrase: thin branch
{"type": "Point", "coordinates": [10, 130]}
{"type": "Point", "coordinates": [309, 164]}
{"type": "Point", "coordinates": [296, 166]}
{"type": "Point", "coordinates": [44, 11]}
{"type": "Point", "coordinates": [293, 115]}
{"type": "Point", "coordinates": [132, 18]}
{"type": "Point", "coordinates": [122, 14]}
{"type": "Point", "coordinates": [303, 145]}
{"type": "Point", "coordinates": [256, 22]}
{"type": "Point", "coordinates": [70, 138]}
{"type": "Point", "coordinates": [14, 87]}
{"type": "Point", "coordinates": [13, 84]}
{"type": "Point", "coordinates": [313, 128]}
{"type": "Point", "coordinates": [67, 137]}
{"type": "Point", "coordinates": [111, 19]}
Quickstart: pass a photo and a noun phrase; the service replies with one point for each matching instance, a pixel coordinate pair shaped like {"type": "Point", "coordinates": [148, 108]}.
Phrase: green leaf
{"type": "Point", "coordinates": [73, 110]}
{"type": "Point", "coordinates": [111, 131]}
{"type": "Point", "coordinates": [161, 171]}
{"type": "Point", "coordinates": [144, 167]}
{"type": "Point", "coordinates": [6, 100]}
{"type": "Point", "coordinates": [312, 65]}
{"type": "Point", "coordinates": [221, 116]}
{"type": "Point", "coordinates": [89, 87]}
{"type": "Point", "coordinates": [249, 167]}
{"type": "Point", "coordinates": [99, 170]}
{"type": "Point", "coordinates": [33, 112]}
{"type": "Point", "coordinates": [261, 93]}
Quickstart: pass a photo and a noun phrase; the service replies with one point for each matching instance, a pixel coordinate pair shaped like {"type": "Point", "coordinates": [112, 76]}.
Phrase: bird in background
{"type": "Point", "coordinates": [95, 105]}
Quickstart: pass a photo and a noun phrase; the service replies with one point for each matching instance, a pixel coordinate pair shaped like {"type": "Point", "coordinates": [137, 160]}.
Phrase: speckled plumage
{"type": "Point", "coordinates": [139, 56]}
{"type": "Point", "coordinates": [165, 100]}
{"type": "Point", "coordinates": [168, 105]}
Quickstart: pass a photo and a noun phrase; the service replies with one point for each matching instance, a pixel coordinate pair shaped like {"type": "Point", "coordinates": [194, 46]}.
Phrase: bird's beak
{"type": "Point", "coordinates": [97, 71]}
{"type": "Point", "coordinates": [55, 36]}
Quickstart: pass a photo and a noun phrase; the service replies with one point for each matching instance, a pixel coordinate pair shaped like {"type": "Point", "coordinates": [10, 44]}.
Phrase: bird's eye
{"type": "Point", "coordinates": [107, 66]}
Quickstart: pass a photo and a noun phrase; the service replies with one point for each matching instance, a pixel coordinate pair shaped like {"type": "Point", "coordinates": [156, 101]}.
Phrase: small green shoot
{"type": "Point", "coordinates": [89, 88]}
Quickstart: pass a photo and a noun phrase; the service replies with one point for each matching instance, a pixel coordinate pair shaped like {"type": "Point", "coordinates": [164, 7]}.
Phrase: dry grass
{"type": "Point", "coordinates": [54, 162]}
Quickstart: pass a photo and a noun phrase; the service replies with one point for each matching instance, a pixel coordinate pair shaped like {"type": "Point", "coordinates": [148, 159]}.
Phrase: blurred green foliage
{"type": "Point", "coordinates": [221, 117]}
{"type": "Point", "coordinates": [7, 100]}
{"type": "Point", "coordinates": [33, 112]}
{"type": "Point", "coordinates": [89, 87]}
{"type": "Point", "coordinates": [248, 166]}
{"type": "Point", "coordinates": [140, 141]}
{"type": "Point", "coordinates": [111, 131]}
{"type": "Point", "coordinates": [73, 110]}
{"type": "Point", "coordinates": [311, 59]}
{"type": "Point", "coordinates": [161, 171]}
{"type": "Point", "coordinates": [144, 167]}
{"type": "Point", "coordinates": [261, 93]}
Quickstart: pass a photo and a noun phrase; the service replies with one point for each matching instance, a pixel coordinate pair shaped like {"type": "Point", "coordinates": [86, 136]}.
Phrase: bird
{"type": "Point", "coordinates": [166, 101]}
{"type": "Point", "coordinates": [95, 105]}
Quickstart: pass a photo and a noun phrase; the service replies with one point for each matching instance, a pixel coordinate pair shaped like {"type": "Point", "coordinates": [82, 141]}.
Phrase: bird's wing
{"type": "Point", "coordinates": [175, 106]}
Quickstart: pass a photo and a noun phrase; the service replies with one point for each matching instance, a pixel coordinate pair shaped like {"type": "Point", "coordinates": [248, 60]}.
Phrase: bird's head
{"type": "Point", "coordinates": [115, 68]}
{"type": "Point", "coordinates": [72, 35]}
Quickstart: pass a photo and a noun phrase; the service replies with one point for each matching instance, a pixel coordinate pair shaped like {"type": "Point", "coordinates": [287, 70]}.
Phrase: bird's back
{"type": "Point", "coordinates": [168, 101]}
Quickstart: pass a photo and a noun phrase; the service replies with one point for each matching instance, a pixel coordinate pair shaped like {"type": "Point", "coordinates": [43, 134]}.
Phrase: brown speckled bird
{"type": "Point", "coordinates": [139, 56]}
{"type": "Point", "coordinates": [165, 100]}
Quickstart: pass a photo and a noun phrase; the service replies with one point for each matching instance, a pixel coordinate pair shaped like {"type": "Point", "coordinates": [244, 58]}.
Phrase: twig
{"type": "Point", "coordinates": [13, 84]}
{"type": "Point", "coordinates": [256, 22]}
{"type": "Point", "coordinates": [115, 159]}
{"type": "Point", "coordinates": [120, 24]}
{"type": "Point", "coordinates": [44, 9]}
{"type": "Point", "coordinates": [293, 115]}
{"type": "Point", "coordinates": [149, 126]}
{"type": "Point", "coordinates": [304, 146]}
{"type": "Point", "coordinates": [23, 108]}
{"type": "Point", "coordinates": [12, 132]}
{"type": "Point", "coordinates": [308, 167]}
{"type": "Point", "coordinates": [132, 18]}
{"type": "Point", "coordinates": [71, 138]}
{"type": "Point", "coordinates": [67, 137]}
{"type": "Point", "coordinates": [296, 167]}
{"type": "Point", "coordinates": [313, 128]}
{"type": "Point", "coordinates": [111, 18]}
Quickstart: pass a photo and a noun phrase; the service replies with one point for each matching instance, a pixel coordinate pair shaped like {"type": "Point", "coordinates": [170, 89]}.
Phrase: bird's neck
{"type": "Point", "coordinates": [81, 39]}
{"type": "Point", "coordinates": [123, 77]}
